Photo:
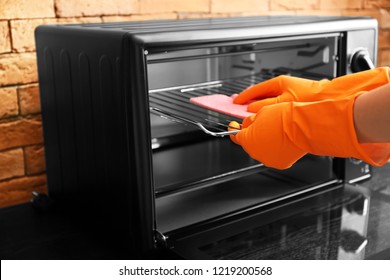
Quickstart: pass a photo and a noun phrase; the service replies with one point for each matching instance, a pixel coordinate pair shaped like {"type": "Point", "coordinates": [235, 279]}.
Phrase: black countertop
{"type": "Point", "coordinates": [378, 229]}
{"type": "Point", "coordinates": [355, 224]}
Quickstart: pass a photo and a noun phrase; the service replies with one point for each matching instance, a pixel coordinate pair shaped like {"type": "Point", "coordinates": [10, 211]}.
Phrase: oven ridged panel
{"type": "Point", "coordinates": [83, 113]}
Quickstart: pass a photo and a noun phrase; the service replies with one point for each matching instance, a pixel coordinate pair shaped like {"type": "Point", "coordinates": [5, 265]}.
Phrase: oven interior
{"type": "Point", "coordinates": [199, 177]}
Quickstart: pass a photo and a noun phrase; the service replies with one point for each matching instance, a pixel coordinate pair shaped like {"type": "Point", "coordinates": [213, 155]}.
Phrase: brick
{"type": "Point", "coordinates": [376, 4]}
{"type": "Point", "coordinates": [18, 69]}
{"type": "Point", "coordinates": [13, 9]}
{"type": "Point", "coordinates": [76, 8]}
{"type": "Point", "coordinates": [12, 164]}
{"type": "Point", "coordinates": [29, 99]}
{"type": "Point", "coordinates": [8, 102]}
{"type": "Point", "coordinates": [277, 13]}
{"type": "Point", "coordinates": [5, 42]}
{"type": "Point", "coordinates": [139, 17]}
{"type": "Point", "coordinates": [228, 6]}
{"type": "Point", "coordinates": [15, 197]}
{"type": "Point", "coordinates": [35, 159]}
{"type": "Point", "coordinates": [16, 191]}
{"type": "Point", "coordinates": [384, 39]}
{"type": "Point", "coordinates": [153, 6]}
{"type": "Point", "coordinates": [189, 15]}
{"type": "Point", "coordinates": [21, 132]}
{"type": "Point", "coordinates": [341, 4]}
{"type": "Point", "coordinates": [320, 13]}
{"type": "Point", "coordinates": [124, 18]}
{"type": "Point", "coordinates": [384, 57]}
{"type": "Point", "coordinates": [384, 18]}
{"type": "Point", "coordinates": [23, 183]}
{"type": "Point", "coordinates": [23, 34]}
{"type": "Point", "coordinates": [294, 4]}
{"type": "Point", "coordinates": [371, 13]}
{"type": "Point", "coordinates": [78, 20]}
{"type": "Point", "coordinates": [23, 30]}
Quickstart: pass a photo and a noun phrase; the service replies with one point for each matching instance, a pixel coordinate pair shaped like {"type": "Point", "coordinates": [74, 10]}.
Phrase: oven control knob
{"type": "Point", "coordinates": [360, 61]}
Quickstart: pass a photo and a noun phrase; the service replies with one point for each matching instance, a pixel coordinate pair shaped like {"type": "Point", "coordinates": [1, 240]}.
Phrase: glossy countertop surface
{"type": "Point", "coordinates": [378, 229]}
{"type": "Point", "coordinates": [348, 223]}
{"type": "Point", "coordinates": [354, 223]}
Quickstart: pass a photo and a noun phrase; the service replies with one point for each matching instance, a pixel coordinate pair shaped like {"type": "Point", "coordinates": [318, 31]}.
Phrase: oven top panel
{"type": "Point", "coordinates": [157, 33]}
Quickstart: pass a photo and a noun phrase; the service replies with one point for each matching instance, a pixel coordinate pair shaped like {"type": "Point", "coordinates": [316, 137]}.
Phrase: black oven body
{"type": "Point", "coordinates": [109, 93]}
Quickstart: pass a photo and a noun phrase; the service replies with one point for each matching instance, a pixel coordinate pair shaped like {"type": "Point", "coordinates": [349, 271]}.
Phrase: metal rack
{"type": "Point", "coordinates": [174, 103]}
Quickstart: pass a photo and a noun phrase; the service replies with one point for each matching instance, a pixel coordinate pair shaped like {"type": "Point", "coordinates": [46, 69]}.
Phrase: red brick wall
{"type": "Point", "coordinates": [22, 167]}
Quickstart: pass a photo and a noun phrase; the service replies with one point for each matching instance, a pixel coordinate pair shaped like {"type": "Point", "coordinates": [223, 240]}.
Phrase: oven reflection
{"type": "Point", "coordinates": [333, 229]}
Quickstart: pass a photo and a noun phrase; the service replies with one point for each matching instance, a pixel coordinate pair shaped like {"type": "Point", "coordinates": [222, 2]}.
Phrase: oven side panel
{"type": "Point", "coordinates": [89, 163]}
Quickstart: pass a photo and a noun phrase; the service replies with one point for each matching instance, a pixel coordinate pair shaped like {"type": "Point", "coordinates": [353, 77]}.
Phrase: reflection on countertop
{"type": "Point", "coordinates": [378, 230]}
{"type": "Point", "coordinates": [348, 223]}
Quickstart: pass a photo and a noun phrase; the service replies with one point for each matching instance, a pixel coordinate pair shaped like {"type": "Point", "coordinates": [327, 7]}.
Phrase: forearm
{"type": "Point", "coordinates": [372, 116]}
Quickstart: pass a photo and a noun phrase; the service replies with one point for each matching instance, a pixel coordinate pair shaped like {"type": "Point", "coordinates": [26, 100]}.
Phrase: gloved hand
{"type": "Point", "coordinates": [287, 88]}
{"type": "Point", "coordinates": [280, 134]}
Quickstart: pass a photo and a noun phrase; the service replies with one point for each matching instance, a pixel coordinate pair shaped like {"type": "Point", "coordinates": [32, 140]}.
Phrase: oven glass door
{"type": "Point", "coordinates": [188, 203]}
{"type": "Point", "coordinates": [200, 179]}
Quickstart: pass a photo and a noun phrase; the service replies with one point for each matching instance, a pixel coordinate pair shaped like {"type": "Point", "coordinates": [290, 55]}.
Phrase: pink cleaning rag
{"type": "Point", "coordinates": [223, 104]}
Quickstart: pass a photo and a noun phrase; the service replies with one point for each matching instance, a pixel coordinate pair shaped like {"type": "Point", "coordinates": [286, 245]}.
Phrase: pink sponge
{"type": "Point", "coordinates": [223, 104]}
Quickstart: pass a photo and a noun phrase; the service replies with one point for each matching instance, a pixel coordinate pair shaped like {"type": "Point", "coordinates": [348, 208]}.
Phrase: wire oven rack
{"type": "Point", "coordinates": [174, 103]}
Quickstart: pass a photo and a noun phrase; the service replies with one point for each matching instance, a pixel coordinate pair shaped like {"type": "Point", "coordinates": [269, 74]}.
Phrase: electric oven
{"type": "Point", "coordinates": [123, 140]}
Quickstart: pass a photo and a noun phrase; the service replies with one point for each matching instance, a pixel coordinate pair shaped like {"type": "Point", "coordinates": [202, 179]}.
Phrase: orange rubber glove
{"type": "Point", "coordinates": [287, 88]}
{"type": "Point", "coordinates": [280, 134]}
